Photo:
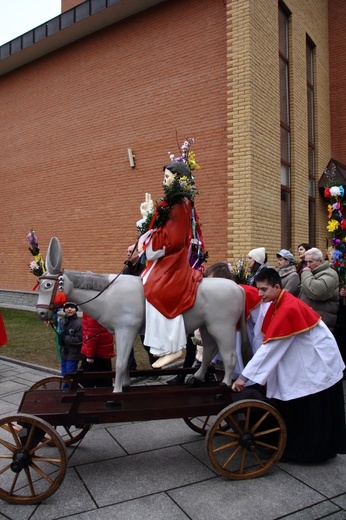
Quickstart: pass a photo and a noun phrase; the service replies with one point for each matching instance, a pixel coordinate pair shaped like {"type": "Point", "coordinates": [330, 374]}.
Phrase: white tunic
{"type": "Point", "coordinates": [300, 365]}
{"type": "Point", "coordinates": [163, 335]}
{"type": "Point", "coordinates": [253, 325]}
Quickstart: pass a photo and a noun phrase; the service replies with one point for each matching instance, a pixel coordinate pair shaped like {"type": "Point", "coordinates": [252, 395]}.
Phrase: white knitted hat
{"type": "Point", "coordinates": [258, 255]}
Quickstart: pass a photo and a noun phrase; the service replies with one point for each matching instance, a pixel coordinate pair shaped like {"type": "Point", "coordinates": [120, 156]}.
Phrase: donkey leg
{"type": "Point", "coordinates": [222, 339]}
{"type": "Point", "coordinates": [124, 341]}
{"type": "Point", "coordinates": [209, 351]}
{"type": "Point", "coordinates": [227, 350]}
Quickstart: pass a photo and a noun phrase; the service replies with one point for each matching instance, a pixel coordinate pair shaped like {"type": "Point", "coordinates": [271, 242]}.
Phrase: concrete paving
{"type": "Point", "coordinates": [159, 470]}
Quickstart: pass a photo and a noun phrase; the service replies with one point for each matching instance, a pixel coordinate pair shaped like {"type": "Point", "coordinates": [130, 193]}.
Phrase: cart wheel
{"type": "Point", "coordinates": [29, 471]}
{"type": "Point", "coordinates": [202, 424]}
{"type": "Point", "coordinates": [69, 434]}
{"type": "Point", "coordinates": [255, 441]}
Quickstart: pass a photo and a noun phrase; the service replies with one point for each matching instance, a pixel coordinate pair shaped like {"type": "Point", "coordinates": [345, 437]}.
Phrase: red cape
{"type": "Point", "coordinates": [288, 316]}
{"type": "Point", "coordinates": [172, 284]}
{"type": "Point", "coordinates": [252, 299]}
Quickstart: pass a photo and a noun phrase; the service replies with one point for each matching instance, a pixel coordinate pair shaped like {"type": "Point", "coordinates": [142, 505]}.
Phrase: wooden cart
{"type": "Point", "coordinates": [243, 438]}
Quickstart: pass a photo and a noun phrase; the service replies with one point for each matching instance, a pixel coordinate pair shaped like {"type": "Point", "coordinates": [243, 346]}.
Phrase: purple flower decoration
{"type": "Point", "coordinates": [336, 241]}
{"type": "Point", "coordinates": [336, 254]}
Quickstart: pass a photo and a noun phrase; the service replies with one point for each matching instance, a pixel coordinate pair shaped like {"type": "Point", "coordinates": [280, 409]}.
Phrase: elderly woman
{"type": "Point", "coordinates": [287, 271]}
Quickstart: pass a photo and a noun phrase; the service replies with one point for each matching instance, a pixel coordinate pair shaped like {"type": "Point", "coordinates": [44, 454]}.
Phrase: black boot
{"type": "Point", "coordinates": [177, 380]}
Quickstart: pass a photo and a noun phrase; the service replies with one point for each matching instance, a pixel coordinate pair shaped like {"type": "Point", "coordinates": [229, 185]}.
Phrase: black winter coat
{"type": "Point", "coordinates": [70, 340]}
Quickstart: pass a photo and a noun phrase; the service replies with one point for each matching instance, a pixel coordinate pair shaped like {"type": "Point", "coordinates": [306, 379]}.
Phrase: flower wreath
{"type": "Point", "coordinates": [336, 225]}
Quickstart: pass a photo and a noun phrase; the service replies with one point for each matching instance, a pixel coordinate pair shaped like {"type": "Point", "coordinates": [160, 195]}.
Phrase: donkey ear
{"type": "Point", "coordinates": [54, 256]}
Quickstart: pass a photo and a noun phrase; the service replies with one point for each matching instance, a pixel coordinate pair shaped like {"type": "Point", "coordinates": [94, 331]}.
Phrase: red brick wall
{"type": "Point", "coordinates": [68, 119]}
{"type": "Point", "coordinates": [337, 67]}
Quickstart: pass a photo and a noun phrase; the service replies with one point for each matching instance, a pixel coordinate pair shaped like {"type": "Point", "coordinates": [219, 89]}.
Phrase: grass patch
{"type": "Point", "coordinates": [31, 341]}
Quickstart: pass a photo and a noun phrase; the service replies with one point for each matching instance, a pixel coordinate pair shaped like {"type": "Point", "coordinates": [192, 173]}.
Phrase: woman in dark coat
{"type": "Point", "coordinates": [302, 248]}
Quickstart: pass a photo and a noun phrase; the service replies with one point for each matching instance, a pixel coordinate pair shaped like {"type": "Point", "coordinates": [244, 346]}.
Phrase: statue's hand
{"type": "Point", "coordinates": [147, 206]}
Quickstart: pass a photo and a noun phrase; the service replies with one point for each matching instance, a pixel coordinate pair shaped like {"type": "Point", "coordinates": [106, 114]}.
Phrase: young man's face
{"type": "Point", "coordinates": [267, 292]}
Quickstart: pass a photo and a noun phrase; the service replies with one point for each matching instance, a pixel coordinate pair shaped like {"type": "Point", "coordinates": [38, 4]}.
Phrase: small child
{"type": "Point", "coordinates": [70, 339]}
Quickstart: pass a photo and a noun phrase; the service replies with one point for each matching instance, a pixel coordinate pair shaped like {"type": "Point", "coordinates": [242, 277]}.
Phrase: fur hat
{"type": "Point", "coordinates": [70, 304]}
{"type": "Point", "coordinates": [286, 254]}
{"type": "Point", "coordinates": [258, 254]}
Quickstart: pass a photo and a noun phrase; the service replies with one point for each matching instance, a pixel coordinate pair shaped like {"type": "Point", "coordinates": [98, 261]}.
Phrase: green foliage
{"type": "Point", "coordinates": [29, 340]}
{"type": "Point", "coordinates": [239, 272]}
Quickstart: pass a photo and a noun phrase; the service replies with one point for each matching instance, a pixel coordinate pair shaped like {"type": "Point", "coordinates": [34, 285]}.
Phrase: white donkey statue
{"type": "Point", "coordinates": [117, 302]}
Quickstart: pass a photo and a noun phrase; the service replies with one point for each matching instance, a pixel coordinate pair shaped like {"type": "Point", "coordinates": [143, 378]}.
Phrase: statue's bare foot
{"type": "Point", "coordinates": [167, 359]}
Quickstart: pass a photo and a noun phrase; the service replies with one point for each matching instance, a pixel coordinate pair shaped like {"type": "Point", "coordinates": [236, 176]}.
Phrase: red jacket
{"type": "Point", "coordinates": [3, 336]}
{"type": "Point", "coordinates": [100, 344]}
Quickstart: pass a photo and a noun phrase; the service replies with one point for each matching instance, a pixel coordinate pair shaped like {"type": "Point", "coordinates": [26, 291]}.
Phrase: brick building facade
{"type": "Point", "coordinates": [107, 76]}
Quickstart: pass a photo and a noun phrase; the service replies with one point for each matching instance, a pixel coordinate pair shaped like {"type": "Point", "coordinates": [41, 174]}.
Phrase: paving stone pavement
{"type": "Point", "coordinates": [159, 470]}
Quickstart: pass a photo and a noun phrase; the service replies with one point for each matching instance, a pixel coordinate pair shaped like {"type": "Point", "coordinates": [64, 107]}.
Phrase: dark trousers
{"type": "Point", "coordinates": [190, 352]}
{"type": "Point", "coordinates": [99, 365]}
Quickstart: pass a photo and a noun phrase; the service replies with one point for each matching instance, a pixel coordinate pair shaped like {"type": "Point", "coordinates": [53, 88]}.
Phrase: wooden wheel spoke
{"type": "Point", "coordinates": [266, 445]}
{"type": "Point", "coordinates": [247, 418]}
{"type": "Point", "coordinates": [259, 422]}
{"type": "Point", "coordinates": [6, 468]}
{"type": "Point", "coordinates": [42, 473]}
{"type": "Point", "coordinates": [265, 432]}
{"type": "Point", "coordinates": [223, 433]}
{"type": "Point", "coordinates": [259, 460]}
{"type": "Point", "coordinates": [234, 422]}
{"type": "Point", "coordinates": [14, 432]}
{"type": "Point", "coordinates": [68, 431]}
{"type": "Point", "coordinates": [232, 455]}
{"type": "Point", "coordinates": [8, 445]}
{"type": "Point", "coordinates": [46, 441]}
{"type": "Point", "coordinates": [30, 436]}
{"type": "Point", "coordinates": [46, 459]}
{"type": "Point", "coordinates": [205, 422]}
{"type": "Point", "coordinates": [13, 485]}
{"type": "Point", "coordinates": [242, 461]}
{"type": "Point", "coordinates": [225, 446]}
{"type": "Point", "coordinates": [30, 482]}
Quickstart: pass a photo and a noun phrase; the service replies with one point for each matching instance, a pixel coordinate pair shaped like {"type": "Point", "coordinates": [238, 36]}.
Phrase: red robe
{"type": "Point", "coordinates": [172, 284]}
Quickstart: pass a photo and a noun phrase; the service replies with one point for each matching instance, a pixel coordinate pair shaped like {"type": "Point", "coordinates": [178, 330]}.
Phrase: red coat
{"type": "Point", "coordinates": [3, 335]}
{"type": "Point", "coordinates": [101, 344]}
{"type": "Point", "coordinates": [172, 284]}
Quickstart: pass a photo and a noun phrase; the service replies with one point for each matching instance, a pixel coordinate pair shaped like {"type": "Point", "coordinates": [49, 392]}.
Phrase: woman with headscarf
{"type": "Point", "coordinates": [287, 271]}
